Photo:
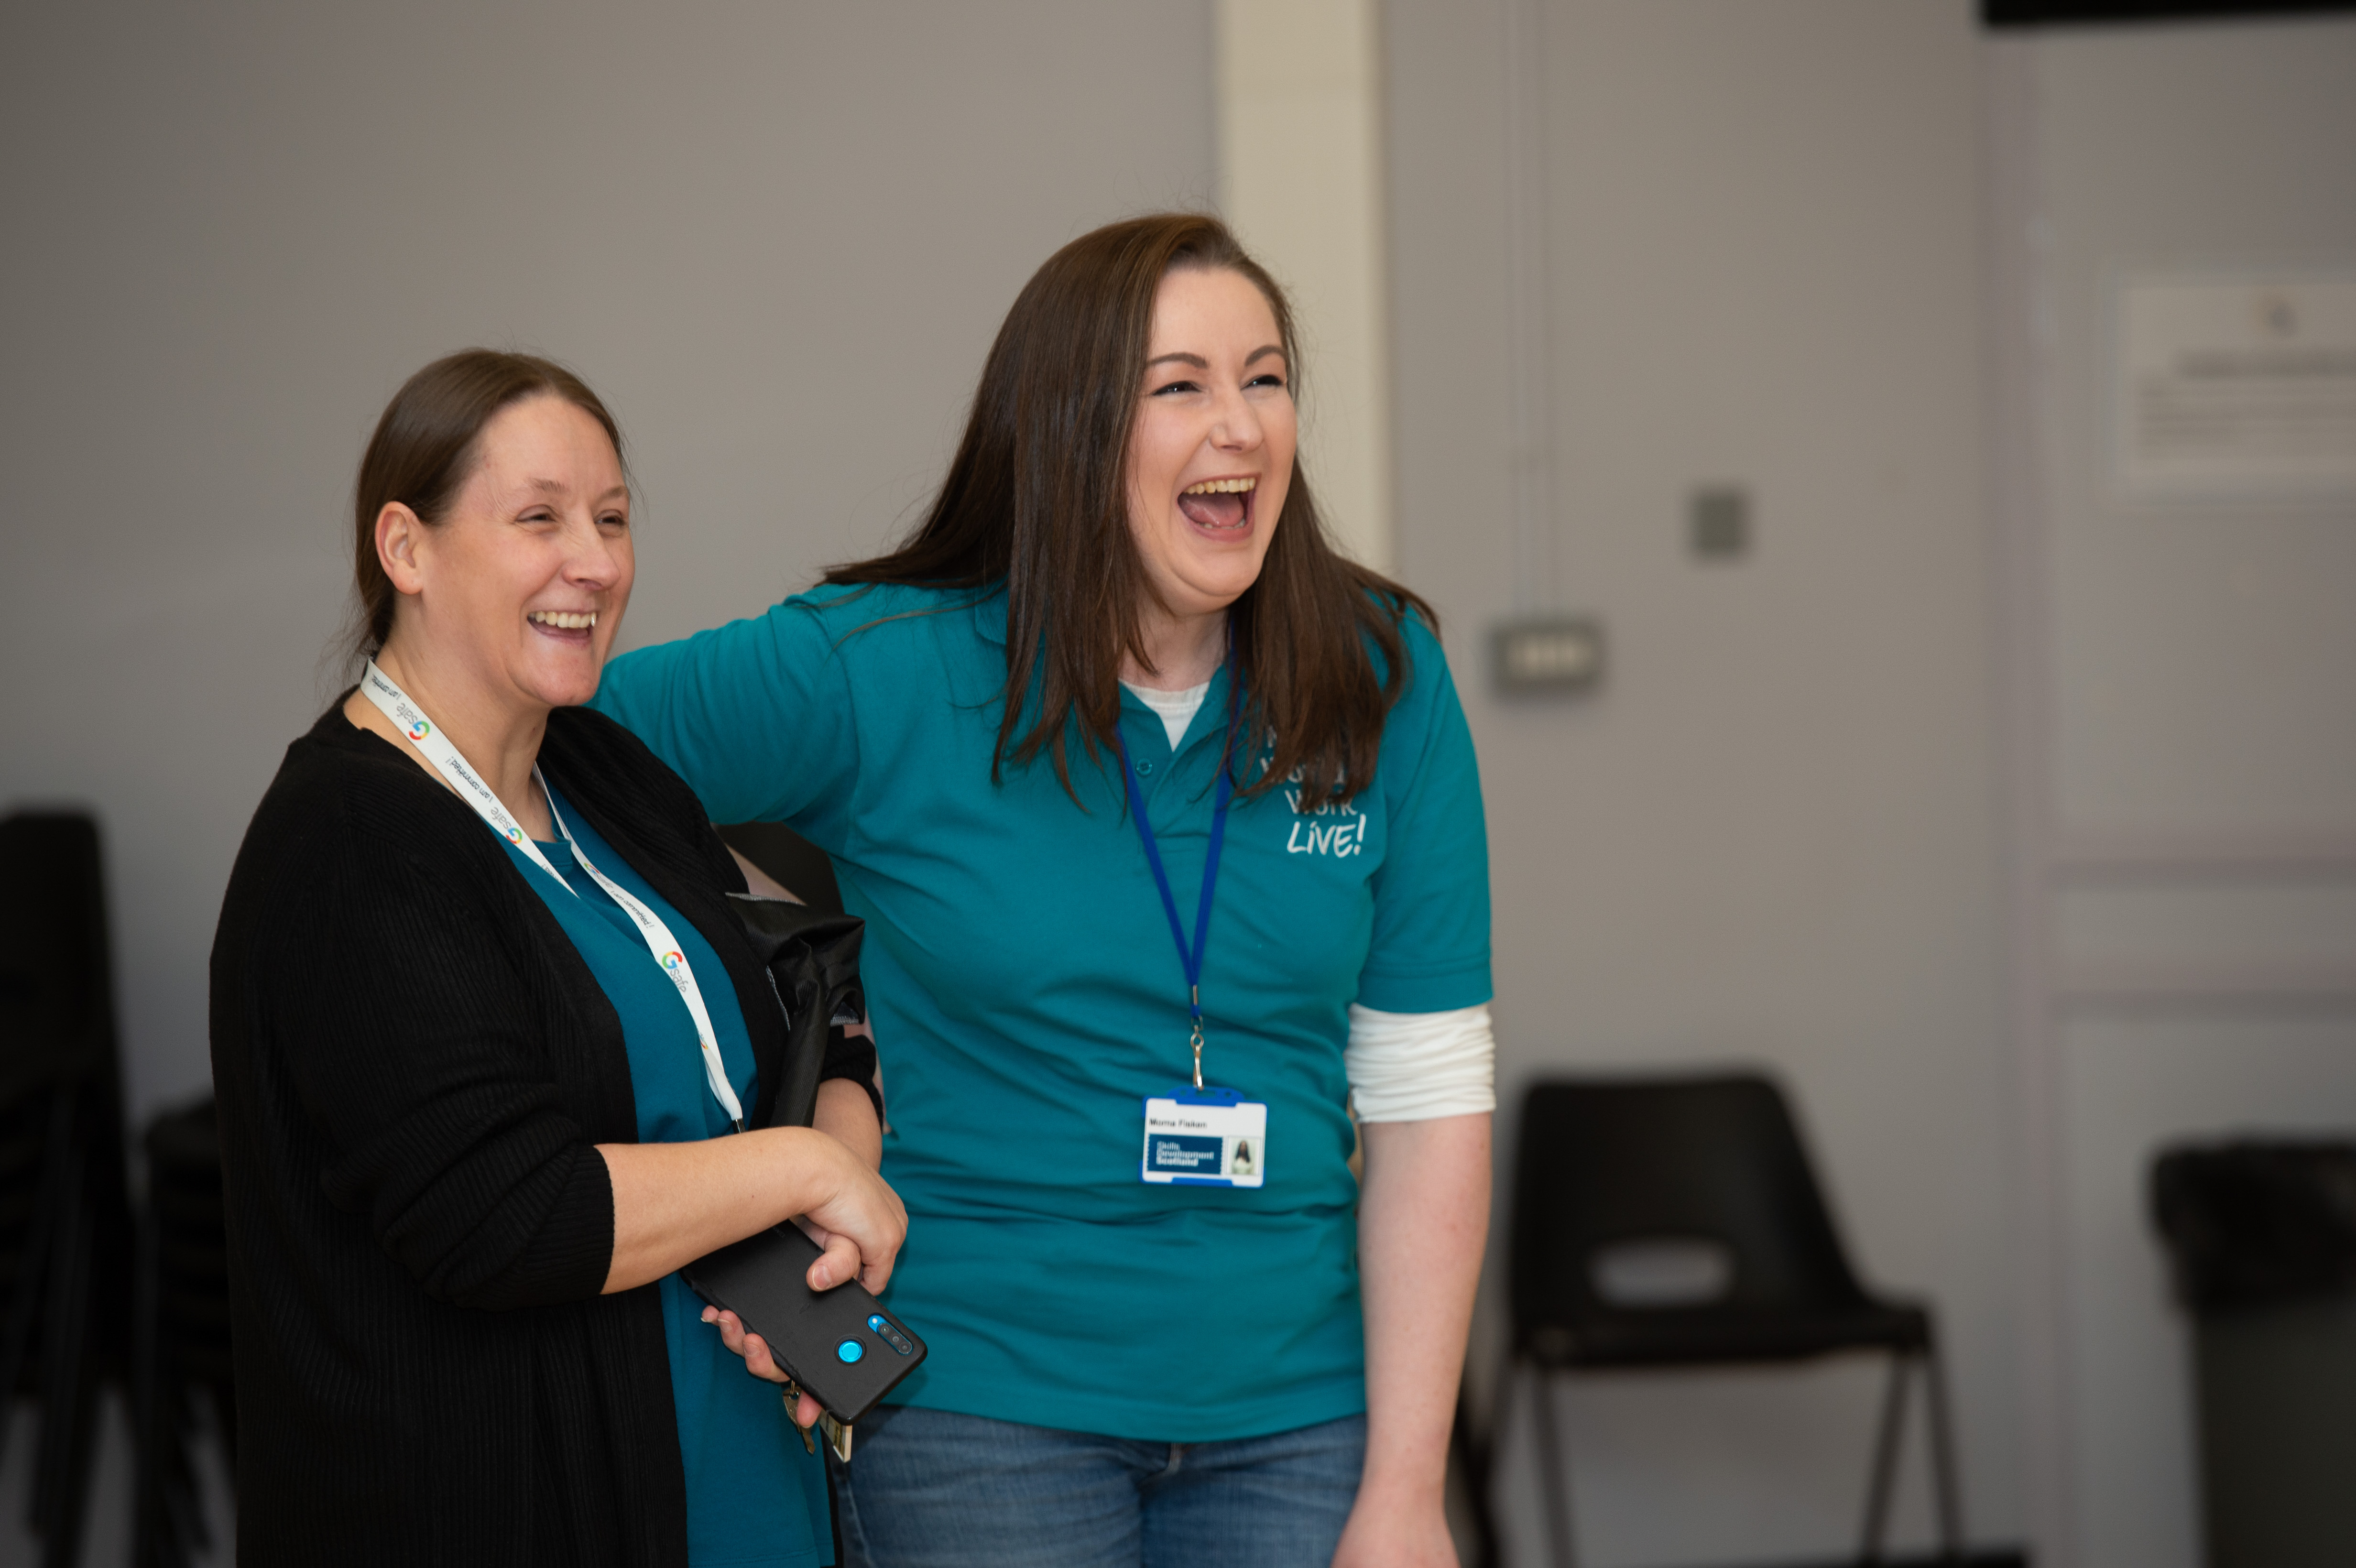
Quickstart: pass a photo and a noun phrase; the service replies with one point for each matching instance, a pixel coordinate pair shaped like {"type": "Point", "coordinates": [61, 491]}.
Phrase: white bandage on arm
{"type": "Point", "coordinates": [1413, 1067]}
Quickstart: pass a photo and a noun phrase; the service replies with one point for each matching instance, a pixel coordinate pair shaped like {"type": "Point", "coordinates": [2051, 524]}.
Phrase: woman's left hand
{"type": "Point", "coordinates": [1423, 1214]}
{"type": "Point", "coordinates": [755, 1352]}
{"type": "Point", "coordinates": [1387, 1531]}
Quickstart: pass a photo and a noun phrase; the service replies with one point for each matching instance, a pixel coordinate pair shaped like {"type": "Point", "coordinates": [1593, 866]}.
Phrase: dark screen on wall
{"type": "Point", "coordinates": [2041, 13]}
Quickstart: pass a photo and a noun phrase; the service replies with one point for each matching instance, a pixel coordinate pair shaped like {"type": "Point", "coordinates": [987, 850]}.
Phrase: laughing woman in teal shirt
{"type": "Point", "coordinates": [1139, 784]}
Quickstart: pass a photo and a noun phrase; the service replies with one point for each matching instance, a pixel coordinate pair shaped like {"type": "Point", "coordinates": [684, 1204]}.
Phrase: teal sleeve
{"type": "Point", "coordinates": [1430, 947]}
{"type": "Point", "coordinates": [756, 716]}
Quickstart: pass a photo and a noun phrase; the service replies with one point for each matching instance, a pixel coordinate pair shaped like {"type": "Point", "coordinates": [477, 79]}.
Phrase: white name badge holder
{"type": "Point", "coordinates": [1204, 1137]}
{"type": "Point", "coordinates": [1197, 1135]}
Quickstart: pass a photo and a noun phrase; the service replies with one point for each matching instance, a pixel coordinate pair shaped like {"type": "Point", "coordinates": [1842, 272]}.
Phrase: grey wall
{"type": "Point", "coordinates": [1773, 835]}
{"type": "Point", "coordinates": [776, 236]}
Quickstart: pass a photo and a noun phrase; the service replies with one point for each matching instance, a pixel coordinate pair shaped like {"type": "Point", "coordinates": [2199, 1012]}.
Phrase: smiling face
{"type": "Point", "coordinates": [1210, 456]}
{"type": "Point", "coordinates": [518, 590]}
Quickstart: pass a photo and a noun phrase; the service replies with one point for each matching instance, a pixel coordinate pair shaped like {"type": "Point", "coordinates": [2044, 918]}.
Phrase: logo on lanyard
{"type": "Point", "coordinates": [446, 760]}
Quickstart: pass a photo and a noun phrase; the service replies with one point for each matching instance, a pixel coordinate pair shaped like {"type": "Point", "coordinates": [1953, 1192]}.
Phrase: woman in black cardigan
{"type": "Point", "coordinates": [464, 1115]}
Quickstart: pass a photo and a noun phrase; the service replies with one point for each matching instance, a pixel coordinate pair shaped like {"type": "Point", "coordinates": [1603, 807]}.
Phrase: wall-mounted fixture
{"type": "Point", "coordinates": [1556, 655]}
{"type": "Point", "coordinates": [1718, 523]}
{"type": "Point", "coordinates": [2077, 13]}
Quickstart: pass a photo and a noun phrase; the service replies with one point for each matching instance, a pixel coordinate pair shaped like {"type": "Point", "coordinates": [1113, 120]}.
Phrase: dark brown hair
{"type": "Point", "coordinates": [1037, 499]}
{"type": "Point", "coordinates": [424, 450]}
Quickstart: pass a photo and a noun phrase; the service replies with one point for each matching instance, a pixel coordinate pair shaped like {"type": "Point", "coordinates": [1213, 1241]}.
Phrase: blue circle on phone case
{"type": "Point", "coordinates": [850, 1351]}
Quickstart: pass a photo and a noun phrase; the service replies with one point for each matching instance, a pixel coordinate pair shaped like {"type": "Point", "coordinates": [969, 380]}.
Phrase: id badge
{"type": "Point", "coordinates": [1204, 1137]}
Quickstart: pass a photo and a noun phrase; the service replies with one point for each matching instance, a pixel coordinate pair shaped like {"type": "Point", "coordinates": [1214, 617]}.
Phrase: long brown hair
{"type": "Point", "coordinates": [1037, 499]}
{"type": "Point", "coordinates": [424, 451]}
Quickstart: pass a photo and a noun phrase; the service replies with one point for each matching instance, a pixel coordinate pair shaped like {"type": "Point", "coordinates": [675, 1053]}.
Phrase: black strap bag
{"type": "Point", "coordinates": [842, 1346]}
{"type": "Point", "coordinates": [812, 960]}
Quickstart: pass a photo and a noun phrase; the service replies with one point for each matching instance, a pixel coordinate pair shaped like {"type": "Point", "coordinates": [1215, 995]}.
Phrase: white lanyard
{"type": "Point", "coordinates": [395, 705]}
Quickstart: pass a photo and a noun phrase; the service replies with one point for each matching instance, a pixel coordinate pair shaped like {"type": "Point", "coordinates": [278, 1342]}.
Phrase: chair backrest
{"type": "Point", "coordinates": [1613, 1172]}
{"type": "Point", "coordinates": [56, 1010]}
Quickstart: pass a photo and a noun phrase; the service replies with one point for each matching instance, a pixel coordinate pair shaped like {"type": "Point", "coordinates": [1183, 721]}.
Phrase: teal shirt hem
{"type": "Point", "coordinates": [1146, 1420]}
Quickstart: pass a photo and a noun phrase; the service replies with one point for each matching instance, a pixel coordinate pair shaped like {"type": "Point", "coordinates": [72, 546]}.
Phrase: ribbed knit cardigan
{"type": "Point", "coordinates": [412, 1064]}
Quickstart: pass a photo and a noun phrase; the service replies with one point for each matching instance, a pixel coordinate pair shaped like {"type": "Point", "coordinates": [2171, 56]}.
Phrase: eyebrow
{"type": "Point", "coordinates": [558, 487]}
{"type": "Point", "coordinates": [1200, 363]}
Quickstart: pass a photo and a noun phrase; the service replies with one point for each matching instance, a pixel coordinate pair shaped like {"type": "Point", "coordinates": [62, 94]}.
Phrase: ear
{"type": "Point", "coordinates": [400, 534]}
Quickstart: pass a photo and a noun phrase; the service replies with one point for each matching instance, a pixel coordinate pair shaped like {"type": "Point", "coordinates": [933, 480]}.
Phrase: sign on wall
{"type": "Point", "coordinates": [2239, 386]}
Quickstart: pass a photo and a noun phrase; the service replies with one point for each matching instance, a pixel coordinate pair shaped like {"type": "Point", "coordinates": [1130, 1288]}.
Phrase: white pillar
{"type": "Point", "coordinates": [1301, 181]}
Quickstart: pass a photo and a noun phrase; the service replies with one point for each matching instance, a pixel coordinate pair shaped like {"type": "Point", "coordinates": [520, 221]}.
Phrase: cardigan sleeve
{"type": "Point", "coordinates": [406, 1032]}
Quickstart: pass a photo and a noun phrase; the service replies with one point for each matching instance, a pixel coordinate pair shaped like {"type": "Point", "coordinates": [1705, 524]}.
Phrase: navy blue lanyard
{"type": "Point", "coordinates": [1191, 957]}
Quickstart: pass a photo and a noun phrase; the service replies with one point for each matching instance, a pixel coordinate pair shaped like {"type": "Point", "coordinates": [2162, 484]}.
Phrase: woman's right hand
{"type": "Point", "coordinates": [860, 1222]}
{"type": "Point", "coordinates": [675, 1202]}
{"type": "Point", "coordinates": [857, 1219]}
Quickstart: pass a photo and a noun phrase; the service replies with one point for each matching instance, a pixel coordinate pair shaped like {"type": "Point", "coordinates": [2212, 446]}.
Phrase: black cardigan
{"type": "Point", "coordinates": [412, 1062]}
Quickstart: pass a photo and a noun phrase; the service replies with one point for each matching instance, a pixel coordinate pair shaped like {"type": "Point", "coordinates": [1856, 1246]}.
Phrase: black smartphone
{"type": "Point", "coordinates": [844, 1347]}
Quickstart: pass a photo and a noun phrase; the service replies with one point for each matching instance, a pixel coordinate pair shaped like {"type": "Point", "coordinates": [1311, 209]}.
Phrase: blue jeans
{"type": "Point", "coordinates": [930, 1488]}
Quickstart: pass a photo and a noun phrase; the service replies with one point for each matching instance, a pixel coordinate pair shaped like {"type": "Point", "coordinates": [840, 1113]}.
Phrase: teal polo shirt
{"type": "Point", "coordinates": [1028, 998]}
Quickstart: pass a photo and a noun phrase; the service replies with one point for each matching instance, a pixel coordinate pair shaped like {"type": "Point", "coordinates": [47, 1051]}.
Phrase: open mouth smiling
{"type": "Point", "coordinates": [565, 626]}
{"type": "Point", "coordinates": [1219, 506]}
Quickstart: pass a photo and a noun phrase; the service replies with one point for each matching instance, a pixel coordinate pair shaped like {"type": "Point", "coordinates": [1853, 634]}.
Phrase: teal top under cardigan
{"type": "Point", "coordinates": [1028, 998]}
{"type": "Point", "coordinates": [756, 1496]}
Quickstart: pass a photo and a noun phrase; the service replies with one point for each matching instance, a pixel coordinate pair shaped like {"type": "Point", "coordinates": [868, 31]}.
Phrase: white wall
{"type": "Point", "coordinates": [1773, 834]}
{"type": "Point", "coordinates": [776, 237]}
{"type": "Point", "coordinates": [1300, 178]}
{"type": "Point", "coordinates": [2185, 842]}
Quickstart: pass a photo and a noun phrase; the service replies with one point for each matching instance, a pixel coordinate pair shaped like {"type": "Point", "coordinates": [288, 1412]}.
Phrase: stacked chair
{"type": "Point", "coordinates": [181, 1337]}
{"type": "Point", "coordinates": [65, 1223]}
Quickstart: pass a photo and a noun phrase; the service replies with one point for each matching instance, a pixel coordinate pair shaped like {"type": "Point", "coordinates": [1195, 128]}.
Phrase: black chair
{"type": "Point", "coordinates": [1675, 1223]}
{"type": "Point", "coordinates": [65, 1223]}
{"type": "Point", "coordinates": [180, 1336]}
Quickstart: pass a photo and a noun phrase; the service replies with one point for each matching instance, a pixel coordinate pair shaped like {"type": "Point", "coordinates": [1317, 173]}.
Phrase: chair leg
{"type": "Point", "coordinates": [1943, 1458]}
{"type": "Point", "coordinates": [70, 1378]}
{"type": "Point", "coordinates": [225, 1421]}
{"type": "Point", "coordinates": [69, 1384]}
{"type": "Point", "coordinates": [147, 1407]}
{"type": "Point", "coordinates": [1555, 1481]}
{"type": "Point", "coordinates": [1885, 1460]}
{"type": "Point", "coordinates": [33, 1262]}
